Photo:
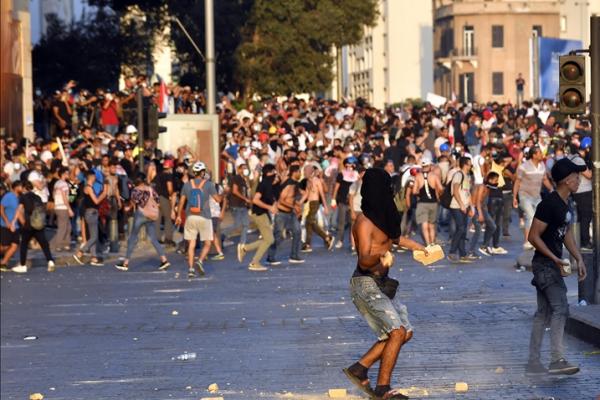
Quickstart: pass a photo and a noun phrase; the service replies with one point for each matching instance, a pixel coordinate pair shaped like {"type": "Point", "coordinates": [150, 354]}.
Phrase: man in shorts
{"type": "Point", "coordinates": [198, 217]}
{"type": "Point", "coordinates": [427, 189]}
{"type": "Point", "coordinates": [372, 290]}
{"type": "Point", "coordinates": [9, 224]}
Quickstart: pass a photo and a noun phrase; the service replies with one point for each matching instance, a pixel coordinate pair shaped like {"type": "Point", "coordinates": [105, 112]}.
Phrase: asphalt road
{"type": "Point", "coordinates": [286, 333]}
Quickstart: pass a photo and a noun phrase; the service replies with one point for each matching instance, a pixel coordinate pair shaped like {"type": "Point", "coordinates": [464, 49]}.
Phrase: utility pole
{"type": "Point", "coordinates": [595, 119]}
{"type": "Point", "coordinates": [140, 126]}
{"type": "Point", "coordinates": [210, 57]}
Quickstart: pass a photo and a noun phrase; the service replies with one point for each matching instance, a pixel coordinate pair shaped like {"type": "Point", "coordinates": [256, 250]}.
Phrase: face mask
{"type": "Point", "coordinates": [478, 123]}
{"type": "Point", "coordinates": [347, 126]}
{"type": "Point", "coordinates": [256, 127]}
{"type": "Point", "coordinates": [246, 153]}
{"type": "Point", "coordinates": [246, 172]}
{"type": "Point", "coordinates": [351, 147]}
{"type": "Point", "coordinates": [17, 165]}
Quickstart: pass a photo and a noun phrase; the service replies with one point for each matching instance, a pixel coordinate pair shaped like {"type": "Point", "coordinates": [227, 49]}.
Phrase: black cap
{"type": "Point", "coordinates": [565, 167]}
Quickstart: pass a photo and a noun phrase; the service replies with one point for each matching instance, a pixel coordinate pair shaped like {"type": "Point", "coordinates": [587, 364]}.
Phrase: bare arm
{"type": "Point", "coordinates": [516, 187]}
{"type": "Point", "coordinates": [547, 183]}
{"type": "Point", "coordinates": [574, 250]}
{"type": "Point", "coordinates": [96, 199]}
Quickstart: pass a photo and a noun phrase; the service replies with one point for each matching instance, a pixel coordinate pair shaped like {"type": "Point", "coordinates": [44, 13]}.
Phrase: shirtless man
{"type": "Point", "coordinates": [428, 189]}
{"type": "Point", "coordinates": [372, 290]}
{"type": "Point", "coordinates": [316, 197]}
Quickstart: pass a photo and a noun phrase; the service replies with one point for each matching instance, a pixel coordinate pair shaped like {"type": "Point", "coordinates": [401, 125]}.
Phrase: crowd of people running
{"type": "Point", "coordinates": [289, 168]}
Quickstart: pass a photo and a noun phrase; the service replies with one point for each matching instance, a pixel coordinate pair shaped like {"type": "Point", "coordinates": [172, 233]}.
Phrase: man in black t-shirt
{"type": "Point", "coordinates": [551, 228]}
{"type": "Point", "coordinates": [239, 201]}
{"type": "Point", "coordinates": [262, 203]}
{"type": "Point", "coordinates": [164, 187]}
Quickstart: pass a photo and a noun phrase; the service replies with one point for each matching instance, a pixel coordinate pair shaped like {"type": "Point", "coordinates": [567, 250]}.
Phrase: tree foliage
{"type": "Point", "coordinates": [262, 46]}
{"type": "Point", "coordinates": [287, 43]}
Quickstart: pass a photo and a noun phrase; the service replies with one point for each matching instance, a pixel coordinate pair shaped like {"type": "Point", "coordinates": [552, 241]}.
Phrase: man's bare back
{"type": "Point", "coordinates": [372, 244]}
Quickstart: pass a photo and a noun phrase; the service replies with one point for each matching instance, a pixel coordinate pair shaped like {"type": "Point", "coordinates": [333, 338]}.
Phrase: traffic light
{"type": "Point", "coordinates": [152, 126]}
{"type": "Point", "coordinates": [572, 84]}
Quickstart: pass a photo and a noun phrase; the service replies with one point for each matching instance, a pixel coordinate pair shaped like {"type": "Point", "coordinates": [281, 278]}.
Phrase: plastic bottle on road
{"type": "Point", "coordinates": [185, 357]}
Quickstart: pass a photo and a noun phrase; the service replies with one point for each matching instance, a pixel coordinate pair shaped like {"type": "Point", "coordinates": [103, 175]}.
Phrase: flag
{"type": "Point", "coordinates": [163, 96]}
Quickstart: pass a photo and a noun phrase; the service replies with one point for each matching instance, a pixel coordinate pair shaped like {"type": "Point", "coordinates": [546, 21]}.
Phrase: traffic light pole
{"type": "Point", "coordinates": [595, 119]}
{"type": "Point", "coordinates": [140, 127]}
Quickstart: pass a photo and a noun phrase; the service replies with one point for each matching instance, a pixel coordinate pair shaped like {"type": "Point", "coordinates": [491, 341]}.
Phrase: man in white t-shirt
{"type": "Point", "coordinates": [461, 210]}
{"type": "Point", "coordinates": [479, 167]}
{"type": "Point", "coordinates": [64, 213]}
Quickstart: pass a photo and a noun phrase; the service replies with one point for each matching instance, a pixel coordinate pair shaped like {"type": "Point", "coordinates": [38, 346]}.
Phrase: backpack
{"type": "Point", "coordinates": [151, 208]}
{"type": "Point", "coordinates": [400, 195]}
{"type": "Point", "coordinates": [196, 198]}
{"type": "Point", "coordinates": [446, 197]}
{"type": "Point", "coordinates": [37, 219]}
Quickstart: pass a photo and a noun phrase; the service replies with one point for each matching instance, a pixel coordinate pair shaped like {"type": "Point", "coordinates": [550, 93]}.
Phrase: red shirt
{"type": "Point", "coordinates": [109, 114]}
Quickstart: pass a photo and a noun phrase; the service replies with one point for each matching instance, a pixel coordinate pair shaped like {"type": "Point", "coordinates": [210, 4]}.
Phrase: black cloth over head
{"type": "Point", "coordinates": [378, 202]}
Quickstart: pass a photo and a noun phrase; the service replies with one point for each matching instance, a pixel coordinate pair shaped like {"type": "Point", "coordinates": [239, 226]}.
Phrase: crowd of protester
{"type": "Point", "coordinates": [288, 168]}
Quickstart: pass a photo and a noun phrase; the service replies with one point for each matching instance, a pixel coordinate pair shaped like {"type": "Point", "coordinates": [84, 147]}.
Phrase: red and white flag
{"type": "Point", "coordinates": [163, 96]}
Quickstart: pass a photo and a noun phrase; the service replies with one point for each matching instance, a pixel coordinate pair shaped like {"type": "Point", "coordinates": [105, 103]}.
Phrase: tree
{"type": "Point", "coordinates": [287, 43]}
{"type": "Point", "coordinates": [90, 51]}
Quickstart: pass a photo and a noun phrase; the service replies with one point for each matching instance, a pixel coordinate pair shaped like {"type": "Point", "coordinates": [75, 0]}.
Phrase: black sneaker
{"type": "Point", "coordinates": [296, 261]}
{"type": "Point", "coordinates": [562, 367]}
{"type": "Point", "coordinates": [164, 266]}
{"type": "Point", "coordinates": [535, 368]}
{"type": "Point", "coordinates": [191, 273]}
{"type": "Point", "coordinates": [4, 268]}
{"type": "Point", "coordinates": [121, 266]}
{"type": "Point", "coordinates": [273, 262]}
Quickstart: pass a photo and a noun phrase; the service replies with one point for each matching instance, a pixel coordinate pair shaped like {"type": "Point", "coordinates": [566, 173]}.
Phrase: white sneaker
{"type": "Point", "coordinates": [20, 269]}
{"type": "Point", "coordinates": [339, 245]}
{"type": "Point", "coordinates": [51, 266]}
{"type": "Point", "coordinates": [241, 252]}
{"type": "Point", "coordinates": [499, 250]}
{"type": "Point", "coordinates": [527, 246]}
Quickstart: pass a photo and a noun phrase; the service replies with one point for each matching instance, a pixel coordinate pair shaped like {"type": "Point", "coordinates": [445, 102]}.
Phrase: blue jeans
{"type": "Point", "coordinates": [139, 220]}
{"type": "Point", "coordinates": [240, 218]}
{"type": "Point", "coordinates": [91, 221]}
{"type": "Point", "coordinates": [552, 309]}
{"type": "Point", "coordinates": [290, 222]}
{"type": "Point", "coordinates": [459, 237]}
{"type": "Point", "coordinates": [475, 237]}
{"type": "Point", "coordinates": [493, 218]}
{"type": "Point", "coordinates": [528, 204]}
{"type": "Point", "coordinates": [112, 129]}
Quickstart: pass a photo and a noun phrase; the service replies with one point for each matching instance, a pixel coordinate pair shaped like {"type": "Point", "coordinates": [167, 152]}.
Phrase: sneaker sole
{"type": "Point", "coordinates": [564, 371]}
{"type": "Point", "coordinates": [296, 262]}
{"type": "Point", "coordinates": [258, 269]}
{"type": "Point", "coordinates": [79, 260]}
{"type": "Point", "coordinates": [164, 268]}
{"type": "Point", "coordinates": [200, 269]}
{"type": "Point", "coordinates": [122, 268]}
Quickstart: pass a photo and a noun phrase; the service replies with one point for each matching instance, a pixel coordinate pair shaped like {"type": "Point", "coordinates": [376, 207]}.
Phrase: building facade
{"type": "Point", "coordinates": [481, 46]}
{"type": "Point", "coordinates": [393, 61]}
{"type": "Point", "coordinates": [16, 93]}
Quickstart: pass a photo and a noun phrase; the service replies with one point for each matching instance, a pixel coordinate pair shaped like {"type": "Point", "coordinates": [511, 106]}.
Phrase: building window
{"type": "Point", "coordinates": [563, 23]}
{"type": "Point", "coordinates": [497, 36]}
{"type": "Point", "coordinates": [497, 83]}
{"type": "Point", "coordinates": [537, 30]}
{"type": "Point", "coordinates": [468, 40]}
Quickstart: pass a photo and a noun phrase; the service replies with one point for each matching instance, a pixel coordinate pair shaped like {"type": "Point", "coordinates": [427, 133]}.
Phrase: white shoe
{"type": "Point", "coordinates": [499, 250]}
{"type": "Point", "coordinates": [51, 266]}
{"type": "Point", "coordinates": [339, 245]}
{"type": "Point", "coordinates": [20, 269]}
{"type": "Point", "coordinates": [241, 252]}
{"type": "Point", "coordinates": [527, 246]}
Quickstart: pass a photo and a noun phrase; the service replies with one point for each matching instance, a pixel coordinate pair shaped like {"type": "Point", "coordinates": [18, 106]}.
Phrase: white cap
{"type": "Point", "coordinates": [46, 155]}
{"type": "Point", "coordinates": [35, 176]}
{"type": "Point", "coordinates": [130, 129]}
{"type": "Point", "coordinates": [199, 166]}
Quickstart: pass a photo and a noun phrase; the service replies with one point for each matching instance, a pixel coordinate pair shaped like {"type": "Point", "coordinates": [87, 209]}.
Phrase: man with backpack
{"type": "Point", "coordinates": [9, 223]}
{"type": "Point", "coordinates": [427, 188]}
{"type": "Point", "coordinates": [33, 226]}
{"type": "Point", "coordinates": [145, 200]}
{"type": "Point", "coordinates": [194, 196]}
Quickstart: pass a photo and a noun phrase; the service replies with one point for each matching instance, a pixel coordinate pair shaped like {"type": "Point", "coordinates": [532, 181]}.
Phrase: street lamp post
{"type": "Point", "coordinates": [595, 119]}
{"type": "Point", "coordinates": [210, 56]}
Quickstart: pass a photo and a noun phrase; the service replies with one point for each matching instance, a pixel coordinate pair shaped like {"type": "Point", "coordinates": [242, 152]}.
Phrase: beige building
{"type": "Point", "coordinates": [394, 60]}
{"type": "Point", "coordinates": [481, 46]}
{"type": "Point", "coordinates": [16, 93]}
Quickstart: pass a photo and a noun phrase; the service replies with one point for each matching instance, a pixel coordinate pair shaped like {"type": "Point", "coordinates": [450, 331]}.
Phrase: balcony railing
{"type": "Point", "coordinates": [463, 53]}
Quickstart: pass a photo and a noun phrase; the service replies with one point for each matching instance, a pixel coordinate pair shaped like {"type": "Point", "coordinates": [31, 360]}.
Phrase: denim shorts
{"type": "Point", "coordinates": [382, 314]}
